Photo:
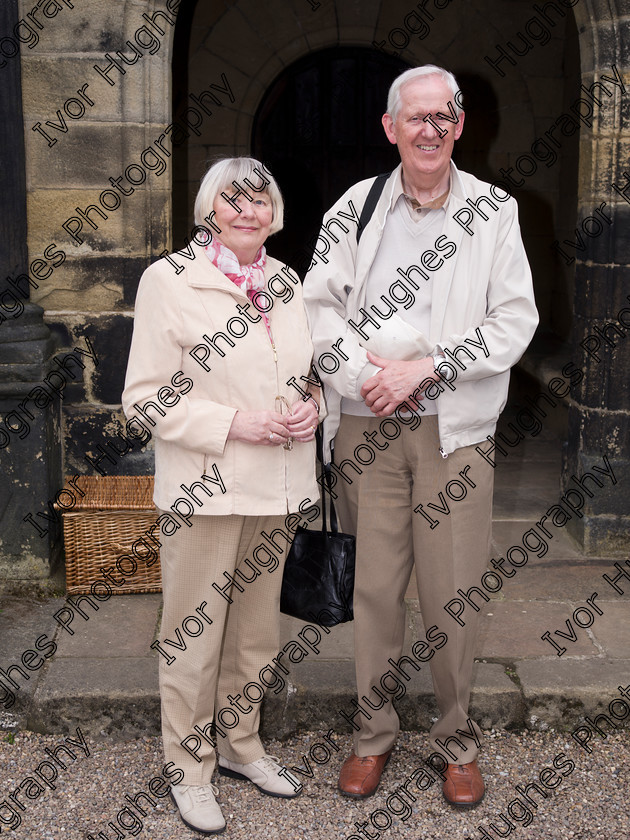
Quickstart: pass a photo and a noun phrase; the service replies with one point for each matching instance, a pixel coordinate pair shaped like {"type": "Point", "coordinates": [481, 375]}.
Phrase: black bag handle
{"type": "Point", "coordinates": [371, 201]}
{"type": "Point", "coordinates": [334, 526]}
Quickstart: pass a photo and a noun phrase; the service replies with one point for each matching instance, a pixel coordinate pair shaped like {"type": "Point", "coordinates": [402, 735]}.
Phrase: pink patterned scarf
{"type": "Point", "coordinates": [250, 278]}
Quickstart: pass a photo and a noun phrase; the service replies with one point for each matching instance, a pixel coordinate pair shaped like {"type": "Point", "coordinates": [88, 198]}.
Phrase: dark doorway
{"type": "Point", "coordinates": [319, 131]}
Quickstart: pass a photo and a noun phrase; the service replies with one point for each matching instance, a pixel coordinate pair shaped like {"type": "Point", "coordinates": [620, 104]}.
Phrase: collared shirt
{"type": "Point", "coordinates": [416, 210]}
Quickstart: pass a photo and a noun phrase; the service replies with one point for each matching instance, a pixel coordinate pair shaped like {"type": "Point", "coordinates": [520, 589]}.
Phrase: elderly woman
{"type": "Point", "coordinates": [220, 346]}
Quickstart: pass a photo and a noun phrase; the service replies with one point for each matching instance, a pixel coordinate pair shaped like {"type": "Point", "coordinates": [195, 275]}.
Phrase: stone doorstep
{"type": "Point", "coordinates": [120, 698]}
{"type": "Point", "coordinates": [104, 677]}
{"type": "Point", "coordinates": [559, 693]}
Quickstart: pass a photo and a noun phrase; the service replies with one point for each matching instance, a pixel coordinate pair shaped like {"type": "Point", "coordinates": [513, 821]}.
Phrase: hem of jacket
{"type": "Point", "coordinates": [467, 437]}
{"type": "Point", "coordinates": [246, 508]}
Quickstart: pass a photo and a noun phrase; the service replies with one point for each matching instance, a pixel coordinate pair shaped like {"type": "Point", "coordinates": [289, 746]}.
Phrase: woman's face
{"type": "Point", "coordinates": [244, 227]}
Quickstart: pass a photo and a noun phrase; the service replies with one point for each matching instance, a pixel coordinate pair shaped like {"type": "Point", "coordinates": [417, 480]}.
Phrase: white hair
{"type": "Point", "coordinates": [394, 95]}
{"type": "Point", "coordinates": [219, 179]}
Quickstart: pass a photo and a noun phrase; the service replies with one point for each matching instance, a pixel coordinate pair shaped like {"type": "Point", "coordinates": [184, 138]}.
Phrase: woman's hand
{"type": "Point", "coordinates": [303, 420]}
{"type": "Point", "coordinates": [264, 428]}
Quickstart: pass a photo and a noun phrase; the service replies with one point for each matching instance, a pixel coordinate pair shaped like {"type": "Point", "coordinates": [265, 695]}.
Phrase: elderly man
{"type": "Point", "coordinates": [418, 311]}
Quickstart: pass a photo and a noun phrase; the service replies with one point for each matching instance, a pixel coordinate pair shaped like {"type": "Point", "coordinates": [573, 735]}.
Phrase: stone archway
{"type": "Point", "coordinates": [319, 130]}
{"type": "Point", "coordinates": [506, 111]}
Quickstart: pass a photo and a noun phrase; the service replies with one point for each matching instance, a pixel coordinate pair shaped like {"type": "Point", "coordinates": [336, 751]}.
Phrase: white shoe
{"type": "Point", "coordinates": [269, 777]}
{"type": "Point", "coordinates": [198, 808]}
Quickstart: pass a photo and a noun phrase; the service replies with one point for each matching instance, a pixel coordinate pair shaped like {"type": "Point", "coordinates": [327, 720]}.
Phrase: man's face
{"type": "Point", "coordinates": [423, 151]}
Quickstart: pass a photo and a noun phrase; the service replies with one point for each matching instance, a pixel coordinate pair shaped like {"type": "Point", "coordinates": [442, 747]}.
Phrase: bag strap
{"type": "Point", "coordinates": [334, 527]}
{"type": "Point", "coordinates": [371, 201]}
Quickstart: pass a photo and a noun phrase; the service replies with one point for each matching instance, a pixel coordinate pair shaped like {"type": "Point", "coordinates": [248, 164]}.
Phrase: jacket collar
{"type": "Point", "coordinates": [394, 183]}
{"type": "Point", "coordinates": [458, 188]}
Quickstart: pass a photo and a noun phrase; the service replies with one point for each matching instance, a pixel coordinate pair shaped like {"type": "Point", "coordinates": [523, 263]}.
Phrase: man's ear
{"type": "Point", "coordinates": [389, 126]}
{"type": "Point", "coordinates": [459, 127]}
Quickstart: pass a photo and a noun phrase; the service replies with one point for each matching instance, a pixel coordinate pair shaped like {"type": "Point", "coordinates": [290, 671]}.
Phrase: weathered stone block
{"type": "Point", "coordinates": [138, 96]}
{"type": "Point", "coordinates": [602, 536]}
{"type": "Point", "coordinates": [601, 292]}
{"type": "Point", "coordinates": [88, 29]}
{"type": "Point", "coordinates": [111, 336]}
{"type": "Point", "coordinates": [607, 35]}
{"type": "Point", "coordinates": [87, 428]}
{"type": "Point", "coordinates": [599, 10]}
{"type": "Point", "coordinates": [253, 52]}
{"type": "Point", "coordinates": [49, 209]}
{"type": "Point", "coordinates": [88, 296]}
{"type": "Point", "coordinates": [606, 385]}
{"type": "Point", "coordinates": [94, 152]}
{"type": "Point", "coordinates": [123, 232]}
{"type": "Point", "coordinates": [49, 81]}
{"type": "Point", "coordinates": [596, 433]}
{"type": "Point", "coordinates": [602, 235]}
{"type": "Point", "coordinates": [611, 498]}
{"type": "Point", "coordinates": [607, 151]}
{"type": "Point", "coordinates": [200, 22]}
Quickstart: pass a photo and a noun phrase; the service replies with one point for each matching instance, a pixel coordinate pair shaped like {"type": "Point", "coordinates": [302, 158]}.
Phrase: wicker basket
{"type": "Point", "coordinates": [102, 526]}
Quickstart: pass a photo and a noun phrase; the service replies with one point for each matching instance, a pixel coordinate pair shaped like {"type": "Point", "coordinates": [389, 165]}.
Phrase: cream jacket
{"type": "Point", "coordinates": [482, 292]}
{"type": "Point", "coordinates": [193, 407]}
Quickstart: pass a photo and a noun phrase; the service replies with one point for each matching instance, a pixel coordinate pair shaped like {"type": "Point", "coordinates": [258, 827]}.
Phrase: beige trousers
{"type": "Point", "coordinates": [378, 507]}
{"type": "Point", "coordinates": [226, 644]}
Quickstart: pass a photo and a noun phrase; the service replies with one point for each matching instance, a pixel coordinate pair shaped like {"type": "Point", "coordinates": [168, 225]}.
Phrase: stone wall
{"type": "Point", "coordinates": [104, 131]}
{"type": "Point", "coordinates": [599, 416]}
{"type": "Point", "coordinates": [528, 95]}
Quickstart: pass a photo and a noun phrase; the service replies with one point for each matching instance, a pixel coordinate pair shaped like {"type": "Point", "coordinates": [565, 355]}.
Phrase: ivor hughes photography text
{"type": "Point", "coordinates": [314, 419]}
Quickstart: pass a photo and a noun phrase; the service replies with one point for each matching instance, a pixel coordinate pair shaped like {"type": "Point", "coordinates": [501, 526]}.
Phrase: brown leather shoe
{"type": "Point", "coordinates": [464, 787]}
{"type": "Point", "coordinates": [359, 777]}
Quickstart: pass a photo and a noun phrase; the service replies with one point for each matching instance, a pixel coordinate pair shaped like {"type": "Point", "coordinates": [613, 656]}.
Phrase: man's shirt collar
{"type": "Point", "coordinates": [415, 208]}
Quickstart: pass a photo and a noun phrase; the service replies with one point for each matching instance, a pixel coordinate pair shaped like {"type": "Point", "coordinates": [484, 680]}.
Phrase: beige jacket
{"type": "Point", "coordinates": [483, 300]}
{"type": "Point", "coordinates": [192, 408]}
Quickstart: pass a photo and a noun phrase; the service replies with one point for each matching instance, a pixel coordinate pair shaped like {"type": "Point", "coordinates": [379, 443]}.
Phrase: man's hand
{"type": "Point", "coordinates": [303, 420]}
{"type": "Point", "coordinates": [391, 386]}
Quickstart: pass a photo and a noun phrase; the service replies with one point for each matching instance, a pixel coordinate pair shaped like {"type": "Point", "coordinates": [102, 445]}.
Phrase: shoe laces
{"type": "Point", "coordinates": [270, 762]}
{"type": "Point", "coordinates": [203, 793]}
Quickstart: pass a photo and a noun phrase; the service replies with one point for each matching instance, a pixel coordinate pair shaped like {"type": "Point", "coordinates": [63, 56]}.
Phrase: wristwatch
{"type": "Point", "coordinates": [439, 359]}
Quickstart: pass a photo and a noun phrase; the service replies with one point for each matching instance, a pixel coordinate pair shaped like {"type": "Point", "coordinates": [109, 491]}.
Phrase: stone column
{"type": "Point", "coordinates": [30, 446]}
{"type": "Point", "coordinates": [599, 416]}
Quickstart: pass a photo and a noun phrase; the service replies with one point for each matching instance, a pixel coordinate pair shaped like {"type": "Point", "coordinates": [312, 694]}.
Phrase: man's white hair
{"type": "Point", "coordinates": [394, 95]}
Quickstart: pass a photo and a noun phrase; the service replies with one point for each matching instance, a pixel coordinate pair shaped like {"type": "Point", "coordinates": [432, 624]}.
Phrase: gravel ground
{"type": "Point", "coordinates": [591, 801]}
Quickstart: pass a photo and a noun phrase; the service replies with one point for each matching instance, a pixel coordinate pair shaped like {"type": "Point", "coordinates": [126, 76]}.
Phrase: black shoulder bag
{"type": "Point", "coordinates": [318, 581]}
